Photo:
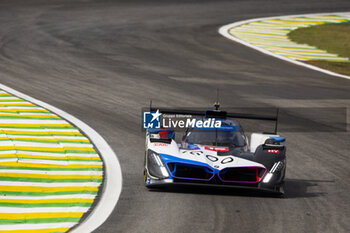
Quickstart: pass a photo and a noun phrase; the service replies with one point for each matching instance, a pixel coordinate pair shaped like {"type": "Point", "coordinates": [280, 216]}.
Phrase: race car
{"type": "Point", "coordinates": [221, 156]}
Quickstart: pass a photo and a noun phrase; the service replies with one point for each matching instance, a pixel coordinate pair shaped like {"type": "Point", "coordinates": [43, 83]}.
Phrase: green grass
{"type": "Point", "coordinates": [334, 38]}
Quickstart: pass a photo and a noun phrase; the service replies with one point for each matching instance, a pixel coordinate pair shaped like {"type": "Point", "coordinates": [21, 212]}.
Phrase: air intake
{"type": "Point", "coordinates": [242, 174]}
{"type": "Point", "coordinates": [190, 172]}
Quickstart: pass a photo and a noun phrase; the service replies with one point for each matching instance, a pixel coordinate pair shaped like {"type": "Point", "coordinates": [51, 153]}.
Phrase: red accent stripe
{"type": "Point", "coordinates": [216, 148]}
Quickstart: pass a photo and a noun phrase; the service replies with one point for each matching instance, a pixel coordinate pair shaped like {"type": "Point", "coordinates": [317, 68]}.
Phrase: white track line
{"type": "Point", "coordinates": [113, 175]}
{"type": "Point", "coordinates": [224, 30]}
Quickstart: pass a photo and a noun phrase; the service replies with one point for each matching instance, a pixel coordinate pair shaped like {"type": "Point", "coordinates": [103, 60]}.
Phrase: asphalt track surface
{"type": "Point", "coordinates": [102, 61]}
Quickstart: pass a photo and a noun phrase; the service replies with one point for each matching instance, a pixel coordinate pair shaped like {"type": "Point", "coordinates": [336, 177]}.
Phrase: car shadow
{"type": "Point", "coordinates": [300, 188]}
{"type": "Point", "coordinates": [294, 188]}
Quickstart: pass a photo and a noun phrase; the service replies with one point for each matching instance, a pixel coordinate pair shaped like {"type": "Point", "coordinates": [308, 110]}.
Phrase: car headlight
{"type": "Point", "coordinates": [268, 177]}
{"type": "Point", "coordinates": [277, 167]}
{"type": "Point", "coordinates": [156, 166]}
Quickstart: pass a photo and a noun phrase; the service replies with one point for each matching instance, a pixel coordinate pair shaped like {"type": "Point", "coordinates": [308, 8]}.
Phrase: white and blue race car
{"type": "Point", "coordinates": [216, 157]}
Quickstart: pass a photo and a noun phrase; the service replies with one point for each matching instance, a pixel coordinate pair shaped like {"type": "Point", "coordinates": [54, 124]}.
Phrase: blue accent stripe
{"type": "Point", "coordinates": [278, 139]}
{"type": "Point", "coordinates": [168, 159]}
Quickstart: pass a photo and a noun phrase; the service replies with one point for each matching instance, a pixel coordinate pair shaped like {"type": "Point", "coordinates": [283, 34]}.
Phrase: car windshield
{"type": "Point", "coordinates": [215, 137]}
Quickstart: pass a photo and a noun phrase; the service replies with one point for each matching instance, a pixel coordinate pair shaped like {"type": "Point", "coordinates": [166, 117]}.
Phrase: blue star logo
{"type": "Point", "coordinates": [151, 120]}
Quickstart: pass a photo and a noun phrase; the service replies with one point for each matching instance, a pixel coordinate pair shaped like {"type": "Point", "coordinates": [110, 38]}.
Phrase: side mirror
{"type": "Point", "coordinates": [274, 142]}
{"type": "Point", "coordinates": [266, 140]}
{"type": "Point", "coordinates": [161, 135]}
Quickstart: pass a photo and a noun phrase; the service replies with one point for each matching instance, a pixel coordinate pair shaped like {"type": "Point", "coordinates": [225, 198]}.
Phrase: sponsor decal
{"type": "Point", "coordinates": [157, 120]}
{"type": "Point", "coordinates": [273, 151]}
{"type": "Point", "coordinates": [160, 144]}
{"type": "Point", "coordinates": [227, 160]}
{"type": "Point", "coordinates": [212, 158]}
{"type": "Point", "coordinates": [216, 148]}
{"type": "Point", "coordinates": [193, 123]}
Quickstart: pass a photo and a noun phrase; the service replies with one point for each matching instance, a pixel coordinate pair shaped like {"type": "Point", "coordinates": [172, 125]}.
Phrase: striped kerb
{"type": "Point", "coordinates": [272, 35]}
{"type": "Point", "coordinates": [50, 173]}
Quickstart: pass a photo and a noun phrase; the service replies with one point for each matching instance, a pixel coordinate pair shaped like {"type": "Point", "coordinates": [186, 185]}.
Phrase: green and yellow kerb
{"type": "Point", "coordinates": [50, 173]}
{"type": "Point", "coordinates": [272, 35]}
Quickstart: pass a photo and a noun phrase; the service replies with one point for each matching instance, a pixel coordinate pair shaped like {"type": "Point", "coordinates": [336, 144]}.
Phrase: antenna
{"type": "Point", "coordinates": [217, 104]}
{"type": "Point", "coordinates": [276, 123]}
